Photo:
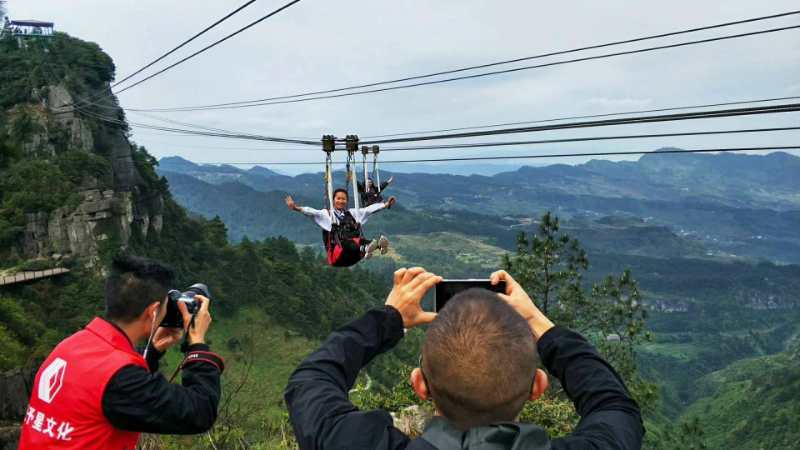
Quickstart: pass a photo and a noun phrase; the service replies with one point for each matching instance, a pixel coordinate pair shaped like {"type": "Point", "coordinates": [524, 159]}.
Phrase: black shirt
{"type": "Point", "coordinates": [324, 418]}
{"type": "Point", "coordinates": [139, 400]}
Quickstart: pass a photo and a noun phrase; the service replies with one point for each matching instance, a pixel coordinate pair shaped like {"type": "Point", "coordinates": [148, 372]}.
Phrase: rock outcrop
{"type": "Point", "coordinates": [105, 214]}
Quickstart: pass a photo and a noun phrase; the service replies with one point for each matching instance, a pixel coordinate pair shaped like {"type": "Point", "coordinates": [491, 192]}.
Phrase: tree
{"type": "Point", "coordinates": [550, 265]}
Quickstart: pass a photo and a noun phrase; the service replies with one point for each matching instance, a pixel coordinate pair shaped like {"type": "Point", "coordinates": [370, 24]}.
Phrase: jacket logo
{"type": "Point", "coordinates": [51, 380]}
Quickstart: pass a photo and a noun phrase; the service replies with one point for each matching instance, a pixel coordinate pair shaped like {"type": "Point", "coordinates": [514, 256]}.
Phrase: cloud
{"type": "Point", "coordinates": [323, 44]}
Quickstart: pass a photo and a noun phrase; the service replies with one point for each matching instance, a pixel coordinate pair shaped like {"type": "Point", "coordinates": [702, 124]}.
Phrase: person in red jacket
{"type": "Point", "coordinates": [96, 391]}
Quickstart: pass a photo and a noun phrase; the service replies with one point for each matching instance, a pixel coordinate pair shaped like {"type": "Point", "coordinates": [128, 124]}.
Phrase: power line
{"type": "Point", "coordinates": [210, 46]}
{"type": "Point", "coordinates": [790, 107]}
{"type": "Point", "coordinates": [592, 116]}
{"type": "Point", "coordinates": [589, 139]}
{"type": "Point", "coordinates": [294, 98]}
{"type": "Point", "coordinates": [182, 44]}
{"type": "Point", "coordinates": [539, 156]}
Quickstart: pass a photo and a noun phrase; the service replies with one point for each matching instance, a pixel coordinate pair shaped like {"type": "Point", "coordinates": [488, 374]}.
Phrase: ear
{"type": "Point", "coordinates": [419, 385]}
{"type": "Point", "coordinates": [151, 311]}
{"type": "Point", "coordinates": [540, 384]}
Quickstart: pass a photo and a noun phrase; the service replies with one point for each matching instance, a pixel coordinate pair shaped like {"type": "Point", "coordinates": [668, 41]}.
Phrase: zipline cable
{"type": "Point", "coordinates": [184, 43]}
{"type": "Point", "coordinates": [210, 46]}
{"type": "Point", "coordinates": [122, 123]}
{"type": "Point", "coordinates": [539, 156]}
{"type": "Point", "coordinates": [314, 96]}
{"type": "Point", "coordinates": [206, 128]}
{"type": "Point", "coordinates": [591, 116]}
{"type": "Point", "coordinates": [588, 139]}
{"type": "Point", "coordinates": [790, 107]}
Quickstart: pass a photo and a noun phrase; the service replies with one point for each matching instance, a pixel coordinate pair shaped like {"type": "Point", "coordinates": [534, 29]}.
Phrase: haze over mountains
{"type": "Point", "coordinates": [730, 205]}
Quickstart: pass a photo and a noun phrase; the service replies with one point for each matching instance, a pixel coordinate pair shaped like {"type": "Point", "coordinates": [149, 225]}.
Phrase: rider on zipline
{"type": "Point", "coordinates": [344, 242]}
{"type": "Point", "coordinates": [371, 194]}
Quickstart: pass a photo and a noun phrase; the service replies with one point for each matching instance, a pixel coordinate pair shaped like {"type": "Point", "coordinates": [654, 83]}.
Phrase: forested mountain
{"type": "Point", "coordinates": [741, 215]}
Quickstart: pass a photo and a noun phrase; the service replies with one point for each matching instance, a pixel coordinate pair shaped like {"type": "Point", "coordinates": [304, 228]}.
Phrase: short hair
{"type": "Point", "coordinates": [479, 360]}
{"type": "Point", "coordinates": [343, 190]}
{"type": "Point", "coordinates": [133, 284]}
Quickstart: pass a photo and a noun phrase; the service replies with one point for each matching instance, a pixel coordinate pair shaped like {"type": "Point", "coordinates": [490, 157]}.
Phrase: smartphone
{"type": "Point", "coordinates": [446, 289]}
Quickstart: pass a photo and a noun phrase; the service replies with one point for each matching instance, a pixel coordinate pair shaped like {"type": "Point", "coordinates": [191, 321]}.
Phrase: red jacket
{"type": "Point", "coordinates": [65, 409]}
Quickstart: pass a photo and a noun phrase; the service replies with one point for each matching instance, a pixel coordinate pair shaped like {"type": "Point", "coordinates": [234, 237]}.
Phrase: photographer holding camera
{"type": "Point", "coordinates": [95, 391]}
{"type": "Point", "coordinates": [479, 364]}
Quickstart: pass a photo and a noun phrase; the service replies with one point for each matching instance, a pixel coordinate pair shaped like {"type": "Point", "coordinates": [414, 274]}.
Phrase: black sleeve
{"type": "Point", "coordinates": [384, 185]}
{"type": "Point", "coordinates": [137, 400]}
{"type": "Point", "coordinates": [317, 393]}
{"type": "Point", "coordinates": [610, 418]}
{"type": "Point", "coordinates": [360, 186]}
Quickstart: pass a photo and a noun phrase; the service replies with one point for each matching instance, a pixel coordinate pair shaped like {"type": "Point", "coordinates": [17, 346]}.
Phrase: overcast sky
{"type": "Point", "coordinates": [320, 44]}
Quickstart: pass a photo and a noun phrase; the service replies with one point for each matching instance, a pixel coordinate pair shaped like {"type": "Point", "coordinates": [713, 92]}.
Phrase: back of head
{"type": "Point", "coordinates": [134, 283]}
{"type": "Point", "coordinates": [479, 360]}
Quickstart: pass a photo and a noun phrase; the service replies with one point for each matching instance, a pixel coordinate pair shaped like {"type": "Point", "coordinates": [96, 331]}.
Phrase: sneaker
{"type": "Point", "coordinates": [371, 247]}
{"type": "Point", "coordinates": [383, 244]}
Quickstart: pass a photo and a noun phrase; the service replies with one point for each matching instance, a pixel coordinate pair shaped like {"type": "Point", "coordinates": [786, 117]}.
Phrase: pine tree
{"type": "Point", "coordinates": [550, 265]}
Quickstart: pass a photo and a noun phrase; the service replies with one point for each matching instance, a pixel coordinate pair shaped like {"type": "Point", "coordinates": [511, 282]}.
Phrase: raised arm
{"type": "Point", "coordinates": [292, 205]}
{"type": "Point", "coordinates": [362, 214]}
{"type": "Point", "coordinates": [321, 216]}
{"type": "Point", "coordinates": [317, 394]}
{"type": "Point", "coordinates": [610, 418]}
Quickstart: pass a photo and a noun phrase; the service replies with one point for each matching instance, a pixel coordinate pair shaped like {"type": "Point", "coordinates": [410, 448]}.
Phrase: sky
{"type": "Point", "coordinates": [317, 45]}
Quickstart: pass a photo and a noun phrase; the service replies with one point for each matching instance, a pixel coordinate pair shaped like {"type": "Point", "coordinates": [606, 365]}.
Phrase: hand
{"type": "Point", "coordinates": [410, 285]}
{"type": "Point", "coordinates": [166, 338]}
{"type": "Point", "coordinates": [390, 202]}
{"type": "Point", "coordinates": [389, 181]}
{"type": "Point", "coordinates": [202, 320]}
{"type": "Point", "coordinates": [522, 303]}
{"type": "Point", "coordinates": [290, 203]}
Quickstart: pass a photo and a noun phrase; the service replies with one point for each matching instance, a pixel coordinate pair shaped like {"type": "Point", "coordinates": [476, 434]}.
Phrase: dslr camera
{"type": "Point", "coordinates": [173, 318]}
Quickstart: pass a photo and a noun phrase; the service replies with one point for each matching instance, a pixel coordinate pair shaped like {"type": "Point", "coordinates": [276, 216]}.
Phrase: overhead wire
{"type": "Point", "coordinates": [590, 139]}
{"type": "Point", "coordinates": [294, 98]}
{"type": "Point", "coordinates": [537, 156]}
{"type": "Point", "coordinates": [206, 128]}
{"type": "Point", "coordinates": [184, 43]}
{"type": "Point", "coordinates": [730, 112]}
{"type": "Point", "coordinates": [590, 116]}
{"type": "Point", "coordinates": [208, 47]}
{"type": "Point", "coordinates": [123, 123]}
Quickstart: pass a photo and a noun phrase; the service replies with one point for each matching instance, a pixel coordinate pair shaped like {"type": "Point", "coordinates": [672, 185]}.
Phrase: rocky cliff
{"type": "Point", "coordinates": [106, 207]}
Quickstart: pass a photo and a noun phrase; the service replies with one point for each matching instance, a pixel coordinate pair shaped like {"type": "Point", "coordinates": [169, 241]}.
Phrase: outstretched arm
{"type": "Point", "coordinates": [610, 418]}
{"type": "Point", "coordinates": [362, 214]}
{"type": "Point", "coordinates": [320, 216]}
{"type": "Point", "coordinates": [317, 394]}
{"type": "Point", "coordinates": [292, 205]}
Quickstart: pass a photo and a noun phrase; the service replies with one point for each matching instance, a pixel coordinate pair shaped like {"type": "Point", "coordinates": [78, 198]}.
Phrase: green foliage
{"type": "Point", "coordinates": [550, 266]}
{"type": "Point", "coordinates": [752, 403]}
{"type": "Point", "coordinates": [553, 412]}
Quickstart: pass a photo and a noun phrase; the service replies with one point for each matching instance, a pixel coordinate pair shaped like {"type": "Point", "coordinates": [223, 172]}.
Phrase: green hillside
{"type": "Point", "coordinates": [752, 404]}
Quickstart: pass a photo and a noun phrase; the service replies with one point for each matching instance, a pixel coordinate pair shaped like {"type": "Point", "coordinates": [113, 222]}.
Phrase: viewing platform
{"type": "Point", "coordinates": [32, 275]}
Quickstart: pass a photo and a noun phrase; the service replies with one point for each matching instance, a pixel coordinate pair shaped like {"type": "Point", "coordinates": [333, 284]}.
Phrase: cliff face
{"type": "Point", "coordinates": [104, 214]}
{"type": "Point", "coordinates": [105, 211]}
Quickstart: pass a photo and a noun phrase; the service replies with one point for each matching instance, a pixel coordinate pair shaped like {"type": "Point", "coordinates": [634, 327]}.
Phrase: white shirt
{"type": "Point", "coordinates": [323, 217]}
